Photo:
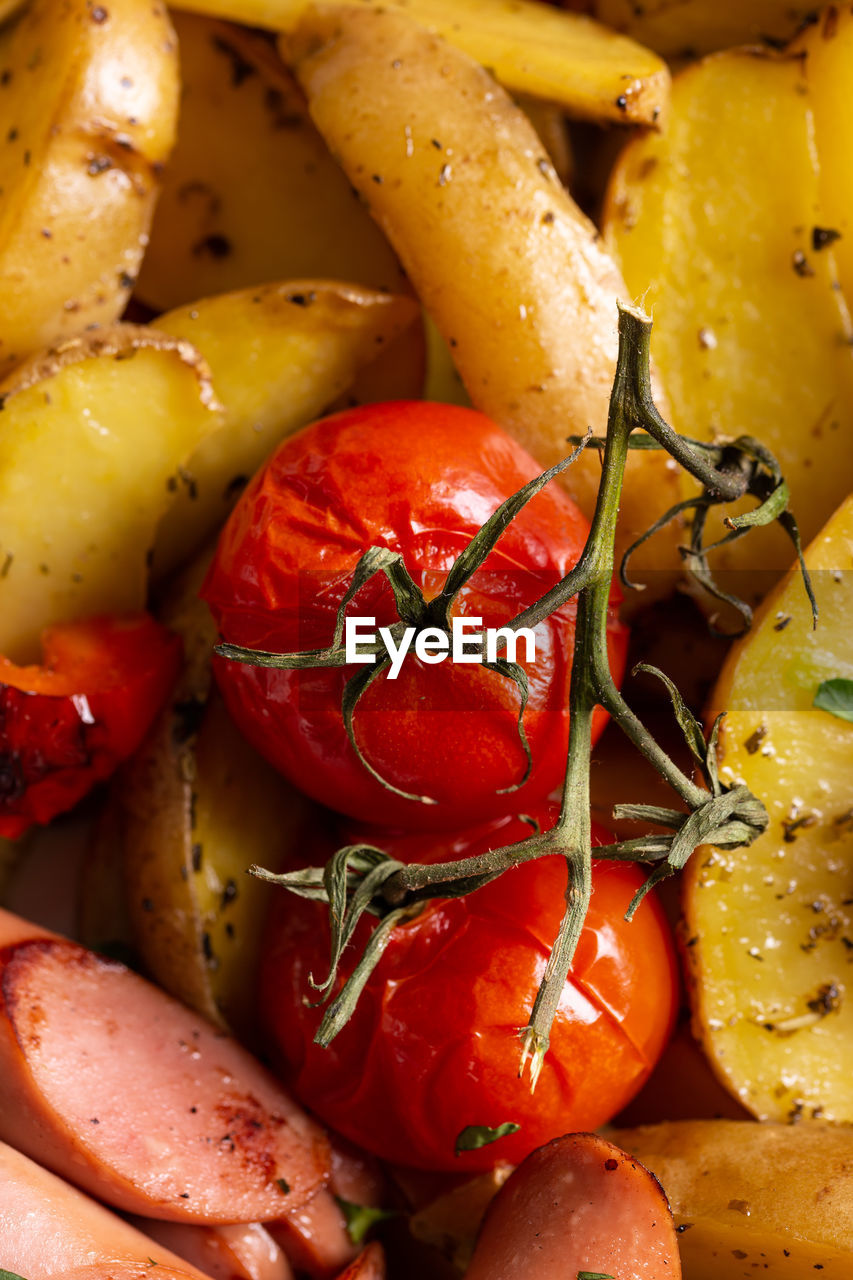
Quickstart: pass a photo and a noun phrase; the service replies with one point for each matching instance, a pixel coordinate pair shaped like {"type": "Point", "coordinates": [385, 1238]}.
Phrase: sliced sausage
{"type": "Point", "coordinates": [50, 1229]}
{"type": "Point", "coordinates": [369, 1265]}
{"type": "Point", "coordinates": [578, 1204]}
{"type": "Point", "coordinates": [114, 1085]}
{"type": "Point", "coordinates": [242, 1252]}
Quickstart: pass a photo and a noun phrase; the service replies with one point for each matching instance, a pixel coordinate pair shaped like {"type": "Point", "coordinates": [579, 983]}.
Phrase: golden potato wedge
{"type": "Point", "coordinates": [92, 436]}
{"type": "Point", "coordinates": [199, 807]}
{"type": "Point", "coordinates": [532, 49]}
{"type": "Point", "coordinates": [770, 928]}
{"type": "Point", "coordinates": [827, 49]}
{"type": "Point", "coordinates": [754, 1200]}
{"type": "Point", "coordinates": [715, 224]}
{"type": "Point", "coordinates": [504, 262]}
{"type": "Point", "coordinates": [251, 193]}
{"type": "Point", "coordinates": [280, 355]}
{"type": "Point", "coordinates": [89, 105]}
{"type": "Point", "coordinates": [686, 28]}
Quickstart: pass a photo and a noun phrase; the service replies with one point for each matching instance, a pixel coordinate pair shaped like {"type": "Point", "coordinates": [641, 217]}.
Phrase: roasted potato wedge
{"type": "Point", "coordinates": [561, 57]}
{"type": "Point", "coordinates": [826, 47]}
{"type": "Point", "coordinates": [716, 225]}
{"type": "Point", "coordinates": [91, 439]}
{"type": "Point", "coordinates": [233, 213]}
{"type": "Point", "coordinates": [754, 1200]}
{"type": "Point", "coordinates": [199, 806]}
{"type": "Point", "coordinates": [504, 262]}
{"type": "Point", "coordinates": [89, 103]}
{"type": "Point", "coordinates": [96, 445]}
{"type": "Point", "coordinates": [306, 343]}
{"type": "Point", "coordinates": [685, 28]}
{"type": "Point", "coordinates": [770, 927]}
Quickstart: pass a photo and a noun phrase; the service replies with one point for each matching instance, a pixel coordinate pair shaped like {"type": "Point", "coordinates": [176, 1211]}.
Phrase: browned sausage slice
{"type": "Point", "coordinates": [578, 1204]}
{"type": "Point", "coordinates": [369, 1265]}
{"type": "Point", "coordinates": [114, 1085]}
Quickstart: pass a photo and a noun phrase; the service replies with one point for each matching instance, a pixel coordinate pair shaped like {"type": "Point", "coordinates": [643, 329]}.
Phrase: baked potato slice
{"type": "Point", "coordinates": [234, 212]}
{"type": "Point", "coordinates": [280, 355]}
{"type": "Point", "coordinates": [198, 807]}
{"type": "Point", "coordinates": [769, 928]}
{"type": "Point", "coordinates": [686, 28]}
{"type": "Point", "coordinates": [89, 103]}
{"type": "Point", "coordinates": [532, 49]}
{"type": "Point", "coordinates": [92, 437]}
{"type": "Point", "coordinates": [752, 1199]}
{"type": "Point", "coordinates": [509, 269]}
{"type": "Point", "coordinates": [716, 223]}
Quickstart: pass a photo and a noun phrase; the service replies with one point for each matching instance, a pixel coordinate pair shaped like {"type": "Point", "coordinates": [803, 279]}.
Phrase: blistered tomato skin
{"type": "Point", "coordinates": [67, 724]}
{"type": "Point", "coordinates": [420, 479]}
{"type": "Point", "coordinates": [434, 1044]}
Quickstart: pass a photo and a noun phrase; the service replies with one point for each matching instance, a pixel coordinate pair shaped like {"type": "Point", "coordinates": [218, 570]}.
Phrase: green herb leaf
{"type": "Point", "coordinates": [360, 1218]}
{"type": "Point", "coordinates": [474, 1136]}
{"type": "Point", "coordinates": [10, 1275]}
{"type": "Point", "coordinates": [836, 697]}
{"type": "Point", "coordinates": [595, 1275]}
{"type": "Point", "coordinates": [283, 1185]}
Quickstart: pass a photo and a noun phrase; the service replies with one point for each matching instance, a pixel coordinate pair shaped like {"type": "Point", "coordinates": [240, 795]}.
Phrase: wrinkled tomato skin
{"type": "Point", "coordinates": [67, 724]}
{"type": "Point", "coordinates": [433, 1045]}
{"type": "Point", "coordinates": [420, 479]}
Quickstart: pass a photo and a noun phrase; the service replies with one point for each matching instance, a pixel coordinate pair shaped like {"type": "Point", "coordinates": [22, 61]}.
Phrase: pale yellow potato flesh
{"type": "Point", "coordinates": [198, 807]}
{"type": "Point", "coordinates": [685, 28]}
{"type": "Point", "coordinates": [564, 58]}
{"type": "Point", "coordinates": [827, 46]}
{"type": "Point", "coordinates": [89, 100]}
{"type": "Point", "coordinates": [92, 437]}
{"type": "Point", "coordinates": [509, 269]}
{"type": "Point", "coordinates": [769, 928]}
{"type": "Point", "coordinates": [754, 1200]}
{"type": "Point", "coordinates": [713, 224]}
{"type": "Point", "coordinates": [251, 193]}
{"type": "Point", "coordinates": [280, 355]}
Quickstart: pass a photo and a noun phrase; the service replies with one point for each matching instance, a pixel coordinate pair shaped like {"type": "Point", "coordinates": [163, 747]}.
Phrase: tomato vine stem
{"type": "Point", "coordinates": [362, 878]}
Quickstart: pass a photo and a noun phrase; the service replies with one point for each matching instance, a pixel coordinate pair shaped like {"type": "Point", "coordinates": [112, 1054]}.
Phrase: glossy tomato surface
{"type": "Point", "coordinates": [420, 479]}
{"type": "Point", "coordinates": [434, 1046]}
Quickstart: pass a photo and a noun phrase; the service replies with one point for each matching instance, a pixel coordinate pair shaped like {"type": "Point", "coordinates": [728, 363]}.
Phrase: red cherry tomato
{"type": "Point", "coordinates": [434, 1046]}
{"type": "Point", "coordinates": [420, 479]}
{"type": "Point", "coordinates": [67, 724]}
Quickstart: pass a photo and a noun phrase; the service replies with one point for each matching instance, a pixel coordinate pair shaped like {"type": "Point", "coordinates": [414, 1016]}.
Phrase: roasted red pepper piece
{"type": "Point", "coordinates": [68, 723]}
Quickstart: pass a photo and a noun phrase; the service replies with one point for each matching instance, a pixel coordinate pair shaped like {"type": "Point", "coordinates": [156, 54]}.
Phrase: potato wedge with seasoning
{"type": "Point", "coordinates": [89, 101]}
{"type": "Point", "coordinates": [716, 223]}
{"type": "Point", "coordinates": [769, 928]}
{"type": "Point", "coordinates": [198, 806]}
{"type": "Point", "coordinates": [687, 28]}
{"type": "Point", "coordinates": [502, 259]}
{"type": "Point", "coordinates": [826, 47]}
{"type": "Point", "coordinates": [91, 437]}
{"type": "Point", "coordinates": [96, 445]}
{"type": "Point", "coordinates": [754, 1200]}
{"type": "Point", "coordinates": [232, 213]}
{"type": "Point", "coordinates": [564, 58]}
{"type": "Point", "coordinates": [306, 342]}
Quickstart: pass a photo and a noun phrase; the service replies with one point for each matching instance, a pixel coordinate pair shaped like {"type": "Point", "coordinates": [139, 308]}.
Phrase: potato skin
{"type": "Point", "coordinates": [754, 1199]}
{"type": "Point", "coordinates": [503, 260]}
{"type": "Point", "coordinates": [91, 99]}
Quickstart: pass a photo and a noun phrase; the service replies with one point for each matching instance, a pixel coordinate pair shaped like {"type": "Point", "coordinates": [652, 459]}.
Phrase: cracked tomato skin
{"type": "Point", "coordinates": [433, 1044]}
{"type": "Point", "coordinates": [420, 479]}
{"type": "Point", "coordinates": [67, 724]}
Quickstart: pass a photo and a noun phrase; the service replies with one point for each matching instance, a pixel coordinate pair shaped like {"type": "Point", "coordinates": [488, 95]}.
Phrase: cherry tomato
{"type": "Point", "coordinates": [434, 1046]}
{"type": "Point", "coordinates": [420, 479]}
{"type": "Point", "coordinates": [67, 724]}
